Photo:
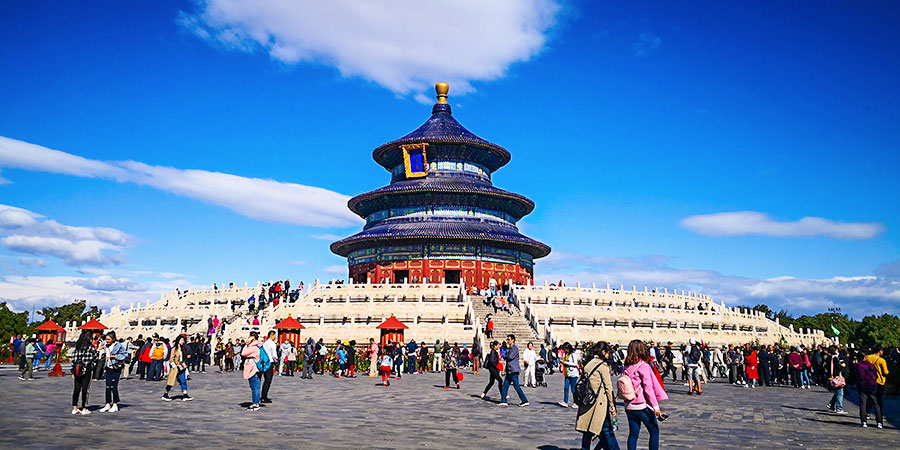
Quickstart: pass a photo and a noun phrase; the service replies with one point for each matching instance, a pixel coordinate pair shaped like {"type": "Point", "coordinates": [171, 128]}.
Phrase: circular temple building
{"type": "Point", "coordinates": [441, 219]}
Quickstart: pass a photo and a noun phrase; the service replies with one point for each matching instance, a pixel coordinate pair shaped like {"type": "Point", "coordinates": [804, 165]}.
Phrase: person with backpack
{"type": "Point", "coordinates": [867, 387]}
{"type": "Point", "coordinates": [570, 374]}
{"type": "Point", "coordinates": [26, 366]}
{"type": "Point", "coordinates": [511, 358]}
{"type": "Point", "coordinates": [309, 359]}
{"type": "Point", "coordinates": [692, 360]}
{"type": "Point", "coordinates": [83, 359]}
{"type": "Point", "coordinates": [253, 356]}
{"type": "Point", "coordinates": [640, 389]}
{"type": "Point", "coordinates": [268, 370]}
{"type": "Point", "coordinates": [494, 366]}
{"type": "Point", "coordinates": [597, 411]}
{"type": "Point", "coordinates": [881, 372]}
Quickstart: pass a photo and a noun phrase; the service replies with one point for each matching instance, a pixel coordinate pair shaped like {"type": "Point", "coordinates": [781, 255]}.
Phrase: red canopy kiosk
{"type": "Point", "coordinates": [51, 330]}
{"type": "Point", "coordinates": [289, 330]}
{"type": "Point", "coordinates": [391, 330]}
{"type": "Point", "coordinates": [95, 326]}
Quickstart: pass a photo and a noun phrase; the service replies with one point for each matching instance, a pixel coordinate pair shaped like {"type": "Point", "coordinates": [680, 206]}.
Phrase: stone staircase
{"type": "Point", "coordinates": [505, 324]}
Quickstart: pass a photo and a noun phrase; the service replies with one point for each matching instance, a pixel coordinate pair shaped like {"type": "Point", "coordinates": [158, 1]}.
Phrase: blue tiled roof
{"type": "Point", "coordinates": [444, 229]}
{"type": "Point", "coordinates": [442, 127]}
{"type": "Point", "coordinates": [443, 184]}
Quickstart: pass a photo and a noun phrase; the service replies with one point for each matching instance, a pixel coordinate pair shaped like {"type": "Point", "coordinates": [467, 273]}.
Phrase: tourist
{"type": "Point", "coordinates": [764, 362]}
{"type": "Point", "coordinates": [373, 357]}
{"type": "Point", "coordinates": [309, 358]}
{"type": "Point", "coordinates": [436, 363]}
{"type": "Point", "coordinates": [177, 368]}
{"type": "Point", "coordinates": [836, 374]}
{"type": "Point", "coordinates": [83, 359]}
{"type": "Point", "coordinates": [398, 359]}
{"type": "Point", "coordinates": [144, 359]}
{"type": "Point", "coordinates": [50, 350]}
{"type": "Point", "coordinates": [529, 358]}
{"type": "Point", "coordinates": [804, 368]}
{"type": "Point", "coordinates": [644, 408]}
{"type": "Point", "coordinates": [39, 352]}
{"type": "Point", "coordinates": [476, 358]}
{"type": "Point", "coordinates": [752, 367]}
{"type": "Point", "coordinates": [158, 353]}
{"type": "Point", "coordinates": [272, 352]}
{"type": "Point", "coordinates": [251, 303]}
{"type": "Point", "coordinates": [27, 364]}
{"type": "Point", "coordinates": [351, 358]}
{"type": "Point", "coordinates": [291, 359]}
{"type": "Point", "coordinates": [494, 366]}
{"type": "Point", "coordinates": [489, 329]}
{"type": "Point", "coordinates": [115, 362]}
{"type": "Point", "coordinates": [692, 359]}
{"type": "Point", "coordinates": [451, 363]}
{"type": "Point", "coordinates": [253, 352]}
{"type": "Point", "coordinates": [867, 386]}
{"type": "Point", "coordinates": [570, 374]}
{"type": "Point", "coordinates": [219, 355]}
{"type": "Point", "coordinates": [881, 372]}
{"type": "Point", "coordinates": [229, 356]}
{"type": "Point", "coordinates": [411, 357]}
{"type": "Point", "coordinates": [511, 358]}
{"type": "Point", "coordinates": [596, 420]}
{"type": "Point", "coordinates": [668, 362]}
{"type": "Point", "coordinates": [718, 362]}
{"type": "Point", "coordinates": [341, 354]}
{"type": "Point", "coordinates": [283, 350]}
{"type": "Point", "coordinates": [137, 346]}
{"type": "Point", "coordinates": [386, 363]}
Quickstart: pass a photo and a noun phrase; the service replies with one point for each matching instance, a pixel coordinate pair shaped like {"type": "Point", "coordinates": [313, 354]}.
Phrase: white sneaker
{"type": "Point", "coordinates": [574, 406]}
{"type": "Point", "coordinates": [115, 408]}
{"type": "Point", "coordinates": [563, 404]}
{"type": "Point", "coordinates": [880, 425]}
{"type": "Point", "coordinates": [75, 411]}
{"type": "Point", "coordinates": [504, 404]}
{"type": "Point", "coordinates": [85, 412]}
{"type": "Point", "coordinates": [864, 425]}
{"type": "Point", "coordinates": [482, 396]}
{"type": "Point", "coordinates": [105, 408]}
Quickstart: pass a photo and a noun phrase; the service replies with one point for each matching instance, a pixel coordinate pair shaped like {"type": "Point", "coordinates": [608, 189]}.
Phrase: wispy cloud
{"type": "Point", "coordinates": [108, 283]}
{"type": "Point", "coordinates": [403, 45]}
{"type": "Point", "coordinates": [325, 237]}
{"type": "Point", "coordinates": [33, 262]}
{"type": "Point", "coordinates": [858, 295]}
{"type": "Point", "coordinates": [757, 223]}
{"type": "Point", "coordinates": [28, 232]}
{"type": "Point", "coordinates": [647, 42]}
{"type": "Point", "coordinates": [257, 198]}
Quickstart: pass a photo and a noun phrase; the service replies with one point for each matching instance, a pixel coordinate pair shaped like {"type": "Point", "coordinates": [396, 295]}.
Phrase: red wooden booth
{"type": "Point", "coordinates": [51, 330]}
{"type": "Point", "coordinates": [391, 330]}
{"type": "Point", "coordinates": [289, 330]}
{"type": "Point", "coordinates": [95, 326]}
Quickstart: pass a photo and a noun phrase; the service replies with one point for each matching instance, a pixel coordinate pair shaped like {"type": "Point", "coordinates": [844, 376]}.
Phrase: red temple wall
{"type": "Point", "coordinates": [472, 273]}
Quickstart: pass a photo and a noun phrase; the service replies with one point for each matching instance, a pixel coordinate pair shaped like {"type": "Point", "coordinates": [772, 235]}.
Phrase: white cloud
{"type": "Point", "coordinates": [33, 262]}
{"type": "Point", "coordinates": [257, 198]}
{"type": "Point", "coordinates": [325, 237]}
{"type": "Point", "coordinates": [646, 43]}
{"type": "Point", "coordinates": [857, 295]}
{"type": "Point", "coordinates": [108, 283]}
{"type": "Point", "coordinates": [336, 269]}
{"type": "Point", "coordinates": [751, 222]}
{"type": "Point", "coordinates": [402, 45]}
{"type": "Point", "coordinates": [28, 232]}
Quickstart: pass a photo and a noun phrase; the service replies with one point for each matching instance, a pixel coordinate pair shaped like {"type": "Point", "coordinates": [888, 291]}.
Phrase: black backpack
{"type": "Point", "coordinates": [585, 396]}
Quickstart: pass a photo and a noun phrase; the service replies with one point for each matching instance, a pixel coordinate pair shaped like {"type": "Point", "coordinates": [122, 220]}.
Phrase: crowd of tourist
{"type": "Point", "coordinates": [587, 370]}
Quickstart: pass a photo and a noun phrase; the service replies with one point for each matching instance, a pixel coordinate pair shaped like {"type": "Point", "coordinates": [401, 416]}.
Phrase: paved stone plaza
{"type": "Point", "coordinates": [414, 412]}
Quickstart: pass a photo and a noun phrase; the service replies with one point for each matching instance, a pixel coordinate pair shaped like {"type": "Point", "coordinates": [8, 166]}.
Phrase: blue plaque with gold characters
{"type": "Point", "coordinates": [414, 160]}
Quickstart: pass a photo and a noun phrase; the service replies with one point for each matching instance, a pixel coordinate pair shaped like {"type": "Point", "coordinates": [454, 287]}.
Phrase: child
{"type": "Point", "coordinates": [386, 363]}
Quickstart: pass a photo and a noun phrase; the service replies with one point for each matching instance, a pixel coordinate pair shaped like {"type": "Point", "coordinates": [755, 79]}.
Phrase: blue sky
{"type": "Point", "coordinates": [149, 145]}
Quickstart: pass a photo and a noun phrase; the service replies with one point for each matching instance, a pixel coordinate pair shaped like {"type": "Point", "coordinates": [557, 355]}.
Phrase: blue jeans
{"type": "Point", "coordinates": [837, 400]}
{"type": "Point", "coordinates": [182, 380]}
{"type": "Point", "coordinates": [804, 377]}
{"type": "Point", "coordinates": [155, 370]}
{"type": "Point", "coordinates": [569, 385]}
{"type": "Point", "coordinates": [255, 388]}
{"type": "Point", "coordinates": [504, 389]}
{"type": "Point", "coordinates": [607, 439]}
{"type": "Point", "coordinates": [635, 419]}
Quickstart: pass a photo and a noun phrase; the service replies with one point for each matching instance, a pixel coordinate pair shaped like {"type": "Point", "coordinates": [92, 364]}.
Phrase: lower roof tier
{"type": "Point", "coordinates": [440, 191]}
{"type": "Point", "coordinates": [443, 231]}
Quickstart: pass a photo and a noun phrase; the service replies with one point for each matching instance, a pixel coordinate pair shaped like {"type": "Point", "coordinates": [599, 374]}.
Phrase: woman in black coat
{"type": "Point", "coordinates": [490, 363]}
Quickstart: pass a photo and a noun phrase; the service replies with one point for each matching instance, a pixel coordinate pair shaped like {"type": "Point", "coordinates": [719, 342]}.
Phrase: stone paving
{"type": "Point", "coordinates": [415, 412]}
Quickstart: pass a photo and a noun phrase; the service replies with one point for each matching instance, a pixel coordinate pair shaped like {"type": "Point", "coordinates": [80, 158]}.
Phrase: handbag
{"type": "Point", "coordinates": [838, 381]}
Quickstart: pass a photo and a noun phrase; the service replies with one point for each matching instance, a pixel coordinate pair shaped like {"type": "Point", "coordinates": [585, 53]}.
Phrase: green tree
{"type": "Point", "coordinates": [883, 329]}
{"type": "Point", "coordinates": [11, 323]}
{"type": "Point", "coordinates": [76, 311]}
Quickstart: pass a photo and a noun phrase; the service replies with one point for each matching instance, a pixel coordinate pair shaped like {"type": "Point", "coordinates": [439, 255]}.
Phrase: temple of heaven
{"type": "Point", "coordinates": [440, 220]}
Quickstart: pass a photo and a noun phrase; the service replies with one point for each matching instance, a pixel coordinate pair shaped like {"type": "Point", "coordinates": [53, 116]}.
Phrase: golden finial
{"type": "Point", "coordinates": [442, 89]}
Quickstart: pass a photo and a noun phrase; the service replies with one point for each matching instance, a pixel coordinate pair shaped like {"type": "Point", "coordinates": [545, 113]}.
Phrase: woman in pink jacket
{"type": "Point", "coordinates": [648, 393]}
{"type": "Point", "coordinates": [251, 373]}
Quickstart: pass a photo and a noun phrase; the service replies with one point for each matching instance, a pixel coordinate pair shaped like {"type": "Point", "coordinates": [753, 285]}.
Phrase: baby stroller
{"type": "Point", "coordinates": [539, 368]}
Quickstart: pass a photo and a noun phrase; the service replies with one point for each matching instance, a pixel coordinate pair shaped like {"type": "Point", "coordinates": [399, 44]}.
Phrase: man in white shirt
{"type": "Point", "coordinates": [285, 350]}
{"type": "Point", "coordinates": [271, 350]}
{"type": "Point", "coordinates": [529, 357]}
